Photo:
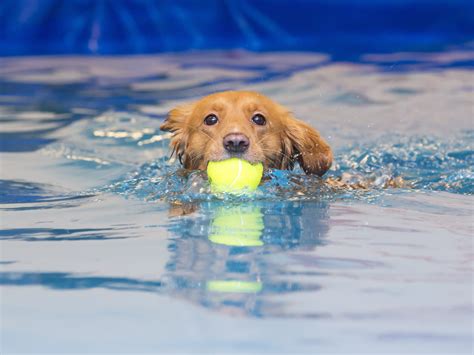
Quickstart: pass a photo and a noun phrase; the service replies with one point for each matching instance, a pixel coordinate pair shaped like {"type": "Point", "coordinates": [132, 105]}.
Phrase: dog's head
{"type": "Point", "coordinates": [247, 125]}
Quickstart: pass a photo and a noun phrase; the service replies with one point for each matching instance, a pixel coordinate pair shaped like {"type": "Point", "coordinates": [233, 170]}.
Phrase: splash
{"type": "Point", "coordinates": [423, 163]}
{"type": "Point", "coordinates": [426, 163]}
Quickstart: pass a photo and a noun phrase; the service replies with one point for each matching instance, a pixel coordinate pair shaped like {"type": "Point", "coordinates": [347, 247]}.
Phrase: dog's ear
{"type": "Point", "coordinates": [175, 122]}
{"type": "Point", "coordinates": [304, 144]}
{"type": "Point", "coordinates": [176, 118]}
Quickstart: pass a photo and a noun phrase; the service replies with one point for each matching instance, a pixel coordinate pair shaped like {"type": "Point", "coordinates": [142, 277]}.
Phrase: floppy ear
{"type": "Point", "coordinates": [175, 122]}
{"type": "Point", "coordinates": [304, 144]}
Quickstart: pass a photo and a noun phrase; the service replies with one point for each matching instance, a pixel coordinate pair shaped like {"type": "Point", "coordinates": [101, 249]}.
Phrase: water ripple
{"type": "Point", "coordinates": [428, 163]}
{"type": "Point", "coordinates": [423, 163]}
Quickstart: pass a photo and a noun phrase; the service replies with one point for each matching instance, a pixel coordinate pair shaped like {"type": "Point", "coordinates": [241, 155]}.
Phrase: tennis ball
{"type": "Point", "coordinates": [234, 175]}
{"type": "Point", "coordinates": [237, 226]}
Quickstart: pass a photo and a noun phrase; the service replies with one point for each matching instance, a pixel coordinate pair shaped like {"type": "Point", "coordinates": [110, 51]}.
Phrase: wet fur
{"type": "Point", "coordinates": [283, 141]}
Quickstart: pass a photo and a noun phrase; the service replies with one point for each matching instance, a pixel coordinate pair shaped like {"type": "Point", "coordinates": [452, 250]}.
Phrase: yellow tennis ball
{"type": "Point", "coordinates": [234, 175]}
{"type": "Point", "coordinates": [237, 227]}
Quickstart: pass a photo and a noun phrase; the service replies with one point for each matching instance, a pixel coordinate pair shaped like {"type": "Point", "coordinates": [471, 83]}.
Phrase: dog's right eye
{"type": "Point", "coordinates": [211, 120]}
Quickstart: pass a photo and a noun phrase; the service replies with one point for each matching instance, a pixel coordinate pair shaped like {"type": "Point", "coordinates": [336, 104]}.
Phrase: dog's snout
{"type": "Point", "coordinates": [236, 143]}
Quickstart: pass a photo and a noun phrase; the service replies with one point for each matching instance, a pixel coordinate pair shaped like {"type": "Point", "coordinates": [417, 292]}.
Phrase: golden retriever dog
{"type": "Point", "coordinates": [247, 125]}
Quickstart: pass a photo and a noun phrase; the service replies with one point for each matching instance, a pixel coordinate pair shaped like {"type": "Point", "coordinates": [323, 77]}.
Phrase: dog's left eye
{"type": "Point", "coordinates": [259, 119]}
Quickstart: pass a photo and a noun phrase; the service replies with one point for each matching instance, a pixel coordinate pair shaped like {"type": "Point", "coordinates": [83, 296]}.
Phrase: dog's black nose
{"type": "Point", "coordinates": [236, 143]}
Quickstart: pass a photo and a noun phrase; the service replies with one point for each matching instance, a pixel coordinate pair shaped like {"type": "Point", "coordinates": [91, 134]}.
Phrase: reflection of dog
{"type": "Point", "coordinates": [247, 125]}
{"type": "Point", "coordinates": [221, 258]}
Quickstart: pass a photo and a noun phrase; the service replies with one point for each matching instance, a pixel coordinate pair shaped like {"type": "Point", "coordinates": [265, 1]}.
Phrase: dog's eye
{"type": "Point", "coordinates": [259, 119]}
{"type": "Point", "coordinates": [211, 120]}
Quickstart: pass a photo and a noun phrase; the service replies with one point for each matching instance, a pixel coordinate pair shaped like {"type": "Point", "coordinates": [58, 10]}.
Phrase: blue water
{"type": "Point", "coordinates": [107, 248]}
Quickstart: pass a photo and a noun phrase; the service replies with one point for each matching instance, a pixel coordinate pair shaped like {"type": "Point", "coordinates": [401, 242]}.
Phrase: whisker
{"type": "Point", "coordinates": [280, 153]}
{"type": "Point", "coordinates": [207, 134]}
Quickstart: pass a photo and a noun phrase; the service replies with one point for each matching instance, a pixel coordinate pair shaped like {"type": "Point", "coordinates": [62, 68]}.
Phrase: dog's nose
{"type": "Point", "coordinates": [236, 143]}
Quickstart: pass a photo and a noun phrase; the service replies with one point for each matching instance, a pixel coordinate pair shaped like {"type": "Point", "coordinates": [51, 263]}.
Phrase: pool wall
{"type": "Point", "coordinates": [344, 29]}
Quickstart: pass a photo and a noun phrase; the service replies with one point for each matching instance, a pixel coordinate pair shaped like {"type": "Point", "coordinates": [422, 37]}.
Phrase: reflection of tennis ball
{"type": "Point", "coordinates": [237, 227]}
{"type": "Point", "coordinates": [234, 174]}
{"type": "Point", "coordinates": [234, 286]}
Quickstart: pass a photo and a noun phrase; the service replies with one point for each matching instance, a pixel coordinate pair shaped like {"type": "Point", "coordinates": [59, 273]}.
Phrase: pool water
{"type": "Point", "coordinates": [105, 247]}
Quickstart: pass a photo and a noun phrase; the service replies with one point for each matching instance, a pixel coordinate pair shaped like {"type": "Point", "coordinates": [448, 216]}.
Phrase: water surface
{"type": "Point", "coordinates": [106, 249]}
